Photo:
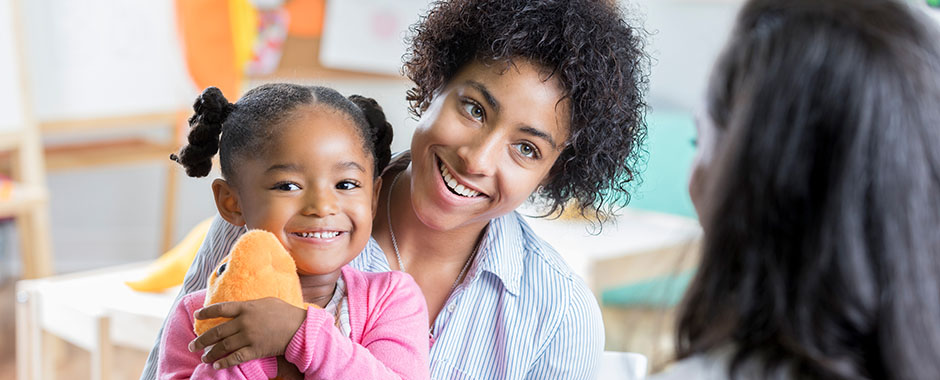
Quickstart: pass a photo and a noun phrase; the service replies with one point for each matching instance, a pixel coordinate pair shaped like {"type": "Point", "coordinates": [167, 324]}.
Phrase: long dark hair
{"type": "Point", "coordinates": [821, 256]}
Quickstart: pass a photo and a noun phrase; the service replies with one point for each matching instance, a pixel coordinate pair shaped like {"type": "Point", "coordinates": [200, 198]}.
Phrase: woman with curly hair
{"type": "Point", "coordinates": [818, 186]}
{"type": "Point", "coordinates": [516, 100]}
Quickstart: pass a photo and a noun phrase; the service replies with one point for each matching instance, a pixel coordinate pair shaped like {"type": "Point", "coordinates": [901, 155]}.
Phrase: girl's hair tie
{"type": "Point", "coordinates": [211, 107]}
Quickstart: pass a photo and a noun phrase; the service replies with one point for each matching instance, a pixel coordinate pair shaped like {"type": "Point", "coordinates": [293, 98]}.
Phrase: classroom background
{"type": "Point", "coordinates": [94, 98]}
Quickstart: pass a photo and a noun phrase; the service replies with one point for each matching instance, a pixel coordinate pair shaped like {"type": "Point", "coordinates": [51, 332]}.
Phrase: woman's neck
{"type": "Point", "coordinates": [318, 289]}
{"type": "Point", "coordinates": [435, 259]}
{"type": "Point", "coordinates": [419, 245]}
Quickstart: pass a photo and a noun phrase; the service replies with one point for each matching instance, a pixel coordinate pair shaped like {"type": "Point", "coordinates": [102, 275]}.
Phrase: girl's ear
{"type": "Point", "coordinates": [376, 190]}
{"type": "Point", "coordinates": [226, 201]}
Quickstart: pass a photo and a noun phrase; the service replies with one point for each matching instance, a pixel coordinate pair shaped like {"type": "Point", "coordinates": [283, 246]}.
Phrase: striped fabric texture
{"type": "Point", "coordinates": [520, 313]}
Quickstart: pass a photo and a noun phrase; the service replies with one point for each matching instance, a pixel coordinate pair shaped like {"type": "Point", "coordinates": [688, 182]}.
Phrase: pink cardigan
{"type": "Point", "coordinates": [388, 319]}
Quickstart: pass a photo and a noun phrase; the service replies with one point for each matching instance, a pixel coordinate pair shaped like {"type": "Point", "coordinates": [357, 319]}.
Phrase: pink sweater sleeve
{"type": "Point", "coordinates": [176, 362]}
{"type": "Point", "coordinates": [394, 340]}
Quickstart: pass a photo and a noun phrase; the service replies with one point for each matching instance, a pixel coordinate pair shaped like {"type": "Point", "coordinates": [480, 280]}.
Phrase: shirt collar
{"type": "Point", "coordinates": [371, 259]}
{"type": "Point", "coordinates": [339, 292]}
{"type": "Point", "coordinates": [502, 249]}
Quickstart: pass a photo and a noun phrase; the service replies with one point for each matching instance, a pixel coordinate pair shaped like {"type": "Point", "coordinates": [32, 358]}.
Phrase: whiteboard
{"type": "Point", "coordinates": [368, 35]}
{"type": "Point", "coordinates": [96, 58]}
{"type": "Point", "coordinates": [11, 117]}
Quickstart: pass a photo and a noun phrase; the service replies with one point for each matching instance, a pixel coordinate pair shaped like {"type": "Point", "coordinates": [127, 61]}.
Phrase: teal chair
{"type": "Point", "coordinates": [664, 189]}
{"type": "Point", "coordinates": [657, 292]}
{"type": "Point", "coordinates": [666, 172]}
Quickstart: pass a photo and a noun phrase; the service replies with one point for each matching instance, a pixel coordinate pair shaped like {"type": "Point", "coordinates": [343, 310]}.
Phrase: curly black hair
{"type": "Point", "coordinates": [249, 125]}
{"type": "Point", "coordinates": [599, 60]}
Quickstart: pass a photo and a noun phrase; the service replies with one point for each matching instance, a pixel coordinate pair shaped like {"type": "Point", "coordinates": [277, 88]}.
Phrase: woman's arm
{"type": "Point", "coordinates": [394, 343]}
{"type": "Point", "coordinates": [576, 348]}
{"type": "Point", "coordinates": [177, 362]}
{"type": "Point", "coordinates": [219, 240]}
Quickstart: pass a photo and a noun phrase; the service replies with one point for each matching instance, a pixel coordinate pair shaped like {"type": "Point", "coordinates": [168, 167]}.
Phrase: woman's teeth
{"type": "Point", "coordinates": [318, 235]}
{"type": "Point", "coordinates": [454, 186]}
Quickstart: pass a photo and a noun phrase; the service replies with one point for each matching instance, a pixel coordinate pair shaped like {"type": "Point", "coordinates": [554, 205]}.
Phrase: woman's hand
{"type": "Point", "coordinates": [258, 329]}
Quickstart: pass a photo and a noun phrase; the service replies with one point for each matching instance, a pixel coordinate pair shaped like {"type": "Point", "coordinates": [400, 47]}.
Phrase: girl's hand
{"type": "Point", "coordinates": [258, 329]}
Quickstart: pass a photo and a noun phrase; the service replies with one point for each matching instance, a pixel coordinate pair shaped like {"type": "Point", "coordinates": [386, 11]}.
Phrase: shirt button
{"type": "Point", "coordinates": [451, 307]}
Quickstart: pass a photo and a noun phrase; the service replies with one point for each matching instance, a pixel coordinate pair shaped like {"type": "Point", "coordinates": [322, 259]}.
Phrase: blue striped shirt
{"type": "Point", "coordinates": [520, 313]}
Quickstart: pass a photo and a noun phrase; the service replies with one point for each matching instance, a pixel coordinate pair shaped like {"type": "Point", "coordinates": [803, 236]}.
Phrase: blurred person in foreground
{"type": "Point", "coordinates": [817, 180]}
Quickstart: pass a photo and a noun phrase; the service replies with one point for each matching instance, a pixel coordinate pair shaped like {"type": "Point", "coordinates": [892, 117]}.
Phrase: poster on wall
{"type": "Point", "coordinates": [368, 35]}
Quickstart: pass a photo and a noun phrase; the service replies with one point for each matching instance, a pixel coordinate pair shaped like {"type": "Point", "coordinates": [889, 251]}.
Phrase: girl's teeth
{"type": "Point", "coordinates": [319, 235]}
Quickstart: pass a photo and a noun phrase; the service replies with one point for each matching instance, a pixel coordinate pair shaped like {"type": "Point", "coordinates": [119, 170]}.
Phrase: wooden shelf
{"type": "Point", "coordinates": [10, 140]}
{"type": "Point", "coordinates": [160, 119]}
{"type": "Point", "coordinates": [22, 197]}
{"type": "Point", "coordinates": [26, 198]}
{"type": "Point", "coordinates": [106, 153]}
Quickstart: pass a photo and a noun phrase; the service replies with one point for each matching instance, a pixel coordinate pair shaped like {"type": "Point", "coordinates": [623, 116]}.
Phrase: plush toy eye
{"type": "Point", "coordinates": [221, 269]}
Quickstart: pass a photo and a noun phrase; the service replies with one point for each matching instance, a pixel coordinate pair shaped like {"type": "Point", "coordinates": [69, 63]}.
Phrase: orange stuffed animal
{"type": "Point", "coordinates": [257, 267]}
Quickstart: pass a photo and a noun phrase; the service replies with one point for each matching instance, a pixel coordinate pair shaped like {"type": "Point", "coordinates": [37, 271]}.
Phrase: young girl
{"type": "Point", "coordinates": [303, 164]}
{"type": "Point", "coordinates": [818, 187]}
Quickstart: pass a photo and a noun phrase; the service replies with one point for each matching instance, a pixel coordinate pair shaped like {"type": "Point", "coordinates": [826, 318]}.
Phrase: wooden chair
{"type": "Point", "coordinates": [26, 198]}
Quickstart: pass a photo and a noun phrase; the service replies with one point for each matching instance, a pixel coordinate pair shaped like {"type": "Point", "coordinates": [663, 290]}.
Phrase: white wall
{"type": "Point", "coordinates": [10, 106]}
{"type": "Point", "coordinates": [103, 57]}
{"type": "Point", "coordinates": [686, 38]}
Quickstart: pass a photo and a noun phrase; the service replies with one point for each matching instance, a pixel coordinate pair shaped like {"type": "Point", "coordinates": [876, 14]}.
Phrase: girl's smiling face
{"type": "Point", "coordinates": [313, 188]}
{"type": "Point", "coordinates": [485, 143]}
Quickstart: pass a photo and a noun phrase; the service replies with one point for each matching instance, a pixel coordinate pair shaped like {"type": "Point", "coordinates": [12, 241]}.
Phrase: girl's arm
{"type": "Point", "coordinates": [219, 240]}
{"type": "Point", "coordinates": [394, 343]}
{"type": "Point", "coordinates": [394, 340]}
{"type": "Point", "coordinates": [177, 362]}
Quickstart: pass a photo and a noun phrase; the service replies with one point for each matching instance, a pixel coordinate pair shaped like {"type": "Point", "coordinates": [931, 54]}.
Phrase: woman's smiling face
{"type": "Point", "coordinates": [486, 142]}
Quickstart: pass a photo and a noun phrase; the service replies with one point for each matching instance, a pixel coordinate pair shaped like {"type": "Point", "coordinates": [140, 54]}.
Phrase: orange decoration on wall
{"type": "Point", "coordinates": [208, 48]}
{"type": "Point", "coordinates": [306, 17]}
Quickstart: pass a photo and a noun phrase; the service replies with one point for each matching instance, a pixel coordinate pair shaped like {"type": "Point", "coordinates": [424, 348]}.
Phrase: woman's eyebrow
{"type": "Point", "coordinates": [535, 132]}
{"type": "Point", "coordinates": [487, 96]}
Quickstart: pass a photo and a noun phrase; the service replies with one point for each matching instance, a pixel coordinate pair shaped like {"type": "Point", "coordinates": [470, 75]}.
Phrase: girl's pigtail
{"type": "Point", "coordinates": [380, 128]}
{"type": "Point", "coordinates": [211, 109]}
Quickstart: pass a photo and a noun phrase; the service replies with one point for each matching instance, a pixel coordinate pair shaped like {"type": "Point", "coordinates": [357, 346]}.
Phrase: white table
{"type": "Point", "coordinates": [93, 310]}
{"type": "Point", "coordinates": [634, 232]}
